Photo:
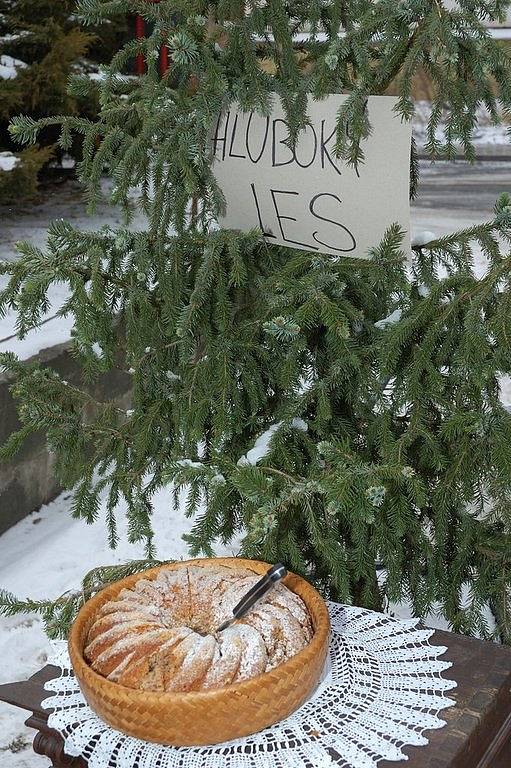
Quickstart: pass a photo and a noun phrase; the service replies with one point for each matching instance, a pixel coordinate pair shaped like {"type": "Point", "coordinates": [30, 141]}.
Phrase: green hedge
{"type": "Point", "coordinates": [41, 45]}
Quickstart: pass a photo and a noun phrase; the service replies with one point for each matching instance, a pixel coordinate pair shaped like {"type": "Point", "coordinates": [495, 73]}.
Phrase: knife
{"type": "Point", "coordinates": [270, 578]}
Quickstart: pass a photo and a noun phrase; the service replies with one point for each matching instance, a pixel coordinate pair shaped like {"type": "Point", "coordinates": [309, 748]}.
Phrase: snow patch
{"type": "Point", "coordinates": [394, 317]}
{"type": "Point", "coordinates": [68, 161]}
{"type": "Point", "coordinates": [305, 383]}
{"type": "Point", "coordinates": [485, 132]}
{"type": "Point", "coordinates": [52, 330]}
{"type": "Point", "coordinates": [261, 447]}
{"type": "Point", "coordinates": [505, 391]}
{"type": "Point", "coordinates": [9, 67]}
{"type": "Point", "coordinates": [101, 75]}
{"type": "Point", "coordinates": [13, 37]}
{"type": "Point", "coordinates": [262, 444]}
{"type": "Point", "coordinates": [190, 463]}
{"type": "Point", "coordinates": [421, 238]}
{"type": "Point", "coordinates": [8, 161]}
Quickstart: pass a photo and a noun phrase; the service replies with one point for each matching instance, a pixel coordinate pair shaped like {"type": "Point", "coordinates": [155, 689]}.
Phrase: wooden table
{"type": "Point", "coordinates": [477, 734]}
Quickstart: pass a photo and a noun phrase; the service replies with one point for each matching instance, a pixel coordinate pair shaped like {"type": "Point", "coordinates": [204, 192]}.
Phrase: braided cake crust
{"type": "Point", "coordinates": [160, 634]}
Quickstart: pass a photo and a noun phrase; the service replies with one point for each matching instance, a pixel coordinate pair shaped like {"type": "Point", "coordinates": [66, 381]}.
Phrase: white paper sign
{"type": "Point", "coordinates": [307, 198]}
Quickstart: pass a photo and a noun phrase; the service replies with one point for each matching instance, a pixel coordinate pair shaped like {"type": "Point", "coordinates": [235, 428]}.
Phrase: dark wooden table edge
{"type": "Point", "coordinates": [28, 695]}
{"type": "Point", "coordinates": [489, 743]}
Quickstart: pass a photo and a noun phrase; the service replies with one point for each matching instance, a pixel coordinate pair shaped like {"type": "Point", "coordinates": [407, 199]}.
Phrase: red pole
{"type": "Point", "coordinates": [164, 59]}
{"type": "Point", "coordinates": [139, 34]}
{"type": "Point", "coordinates": [164, 51]}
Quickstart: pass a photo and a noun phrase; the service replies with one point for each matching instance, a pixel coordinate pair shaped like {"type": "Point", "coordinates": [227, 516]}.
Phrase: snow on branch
{"type": "Point", "coordinates": [262, 444]}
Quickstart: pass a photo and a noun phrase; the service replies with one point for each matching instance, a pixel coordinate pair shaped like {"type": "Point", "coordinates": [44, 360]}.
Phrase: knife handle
{"type": "Point", "coordinates": [270, 578]}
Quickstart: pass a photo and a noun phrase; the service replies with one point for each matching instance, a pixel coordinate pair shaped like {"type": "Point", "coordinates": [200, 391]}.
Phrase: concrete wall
{"type": "Point", "coordinates": [28, 481]}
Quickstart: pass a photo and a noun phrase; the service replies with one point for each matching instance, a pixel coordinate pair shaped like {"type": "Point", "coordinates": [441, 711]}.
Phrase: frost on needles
{"type": "Point", "coordinates": [404, 453]}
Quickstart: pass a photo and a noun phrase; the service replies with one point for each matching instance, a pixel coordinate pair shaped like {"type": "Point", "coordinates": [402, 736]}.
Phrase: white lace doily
{"type": "Point", "coordinates": [381, 690]}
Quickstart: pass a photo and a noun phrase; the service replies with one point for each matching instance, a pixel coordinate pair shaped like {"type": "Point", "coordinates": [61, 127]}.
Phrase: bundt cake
{"type": "Point", "coordinates": [160, 635]}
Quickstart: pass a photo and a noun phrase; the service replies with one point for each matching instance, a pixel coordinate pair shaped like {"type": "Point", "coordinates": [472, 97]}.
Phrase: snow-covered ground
{"type": "Point", "coordinates": [47, 553]}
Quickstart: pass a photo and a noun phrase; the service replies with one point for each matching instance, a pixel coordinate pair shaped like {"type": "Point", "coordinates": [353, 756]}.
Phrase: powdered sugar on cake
{"type": "Point", "coordinates": [160, 634]}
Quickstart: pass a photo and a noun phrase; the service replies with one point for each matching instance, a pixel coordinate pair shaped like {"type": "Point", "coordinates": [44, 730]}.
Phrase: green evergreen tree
{"type": "Point", "coordinates": [378, 442]}
{"type": "Point", "coordinates": [41, 46]}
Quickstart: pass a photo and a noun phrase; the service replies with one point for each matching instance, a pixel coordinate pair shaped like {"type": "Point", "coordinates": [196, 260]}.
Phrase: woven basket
{"type": "Point", "coordinates": [199, 718]}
